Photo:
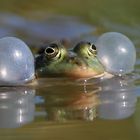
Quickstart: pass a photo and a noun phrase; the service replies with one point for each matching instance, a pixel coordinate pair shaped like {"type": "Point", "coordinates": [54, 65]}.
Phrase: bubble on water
{"type": "Point", "coordinates": [16, 61]}
{"type": "Point", "coordinates": [116, 52]}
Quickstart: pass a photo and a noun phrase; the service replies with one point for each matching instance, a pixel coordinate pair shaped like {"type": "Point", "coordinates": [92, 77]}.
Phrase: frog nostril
{"type": "Point", "coordinates": [88, 43]}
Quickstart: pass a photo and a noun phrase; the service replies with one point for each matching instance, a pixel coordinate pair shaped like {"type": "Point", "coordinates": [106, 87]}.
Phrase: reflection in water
{"type": "Point", "coordinates": [117, 98]}
{"type": "Point", "coordinates": [64, 102]}
{"type": "Point", "coordinates": [16, 107]}
{"type": "Point", "coordinates": [107, 99]}
{"type": "Point", "coordinates": [82, 107]}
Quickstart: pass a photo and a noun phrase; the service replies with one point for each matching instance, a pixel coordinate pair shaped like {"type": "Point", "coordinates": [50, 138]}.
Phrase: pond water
{"type": "Point", "coordinates": [63, 108]}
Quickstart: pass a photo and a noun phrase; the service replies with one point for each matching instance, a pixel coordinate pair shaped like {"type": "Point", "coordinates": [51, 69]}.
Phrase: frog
{"type": "Point", "coordinates": [80, 61]}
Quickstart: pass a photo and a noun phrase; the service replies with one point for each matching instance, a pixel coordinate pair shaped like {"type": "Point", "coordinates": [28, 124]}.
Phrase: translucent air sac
{"type": "Point", "coordinates": [16, 62]}
{"type": "Point", "coordinates": [116, 52]}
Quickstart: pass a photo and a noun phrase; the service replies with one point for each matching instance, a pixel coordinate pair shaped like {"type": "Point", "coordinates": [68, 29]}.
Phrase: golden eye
{"type": "Point", "coordinates": [93, 49]}
{"type": "Point", "coordinates": [51, 51]}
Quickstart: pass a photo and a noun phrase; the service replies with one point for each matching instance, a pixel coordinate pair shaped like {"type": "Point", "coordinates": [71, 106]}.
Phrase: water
{"type": "Point", "coordinates": [62, 108]}
{"type": "Point", "coordinates": [74, 110]}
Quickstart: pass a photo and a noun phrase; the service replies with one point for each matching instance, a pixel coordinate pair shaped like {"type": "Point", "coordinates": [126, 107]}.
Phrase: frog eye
{"type": "Point", "coordinates": [51, 51]}
{"type": "Point", "coordinates": [93, 49]}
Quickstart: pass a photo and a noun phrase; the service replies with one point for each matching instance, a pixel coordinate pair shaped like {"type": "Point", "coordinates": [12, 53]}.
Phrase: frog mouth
{"type": "Point", "coordinates": [79, 68]}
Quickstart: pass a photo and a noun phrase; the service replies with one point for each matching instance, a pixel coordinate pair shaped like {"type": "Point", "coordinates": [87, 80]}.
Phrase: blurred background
{"type": "Point", "coordinates": [36, 21]}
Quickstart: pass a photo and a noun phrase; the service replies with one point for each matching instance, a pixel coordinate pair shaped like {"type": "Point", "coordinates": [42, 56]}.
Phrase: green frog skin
{"type": "Point", "coordinates": [78, 62]}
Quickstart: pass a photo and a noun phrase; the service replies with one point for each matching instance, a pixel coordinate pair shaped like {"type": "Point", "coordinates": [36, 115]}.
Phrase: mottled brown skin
{"type": "Point", "coordinates": [79, 62]}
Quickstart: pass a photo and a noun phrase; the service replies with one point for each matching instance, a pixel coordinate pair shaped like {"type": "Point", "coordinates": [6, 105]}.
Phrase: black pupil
{"type": "Point", "coordinates": [93, 47]}
{"type": "Point", "coordinates": [49, 50]}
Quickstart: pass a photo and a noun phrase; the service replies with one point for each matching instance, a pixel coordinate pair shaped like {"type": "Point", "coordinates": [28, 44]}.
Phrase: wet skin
{"type": "Point", "coordinates": [78, 62]}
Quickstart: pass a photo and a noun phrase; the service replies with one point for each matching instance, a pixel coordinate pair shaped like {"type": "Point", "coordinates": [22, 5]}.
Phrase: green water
{"type": "Point", "coordinates": [61, 108]}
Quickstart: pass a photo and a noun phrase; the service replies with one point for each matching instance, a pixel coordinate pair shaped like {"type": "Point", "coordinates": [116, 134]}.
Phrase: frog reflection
{"type": "Point", "coordinates": [113, 99]}
{"type": "Point", "coordinates": [16, 106]}
{"type": "Point", "coordinates": [81, 108]}
{"type": "Point", "coordinates": [118, 99]}
{"type": "Point", "coordinates": [61, 105]}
